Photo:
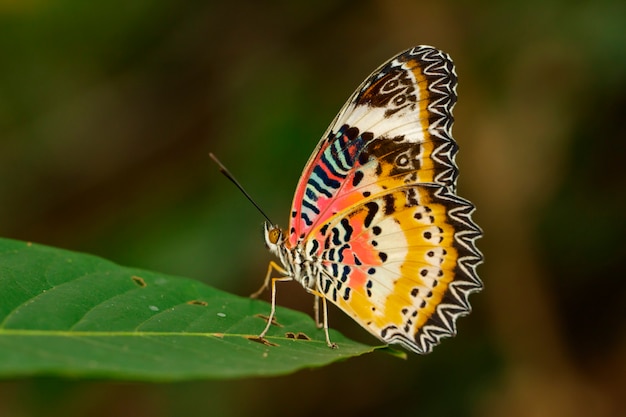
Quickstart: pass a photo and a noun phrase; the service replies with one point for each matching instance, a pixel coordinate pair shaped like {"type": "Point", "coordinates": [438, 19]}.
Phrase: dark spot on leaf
{"type": "Point", "coordinates": [261, 340]}
{"type": "Point", "coordinates": [139, 281]}
{"type": "Point", "coordinates": [266, 318]}
{"type": "Point", "coordinates": [197, 303]}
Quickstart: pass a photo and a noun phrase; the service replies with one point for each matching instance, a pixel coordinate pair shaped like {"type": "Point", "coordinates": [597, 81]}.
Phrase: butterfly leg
{"type": "Point", "coordinates": [316, 311]}
{"type": "Point", "coordinates": [273, 266]}
{"type": "Point", "coordinates": [273, 310]}
{"type": "Point", "coordinates": [319, 296]}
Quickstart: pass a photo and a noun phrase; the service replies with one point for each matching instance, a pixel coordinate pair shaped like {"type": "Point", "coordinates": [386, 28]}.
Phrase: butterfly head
{"type": "Point", "coordinates": [274, 237]}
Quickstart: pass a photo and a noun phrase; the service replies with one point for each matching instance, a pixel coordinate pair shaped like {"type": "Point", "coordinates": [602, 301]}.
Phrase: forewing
{"type": "Point", "coordinates": [403, 110]}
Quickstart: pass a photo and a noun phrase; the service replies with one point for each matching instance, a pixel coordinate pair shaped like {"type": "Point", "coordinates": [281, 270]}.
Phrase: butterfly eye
{"type": "Point", "coordinates": [274, 235]}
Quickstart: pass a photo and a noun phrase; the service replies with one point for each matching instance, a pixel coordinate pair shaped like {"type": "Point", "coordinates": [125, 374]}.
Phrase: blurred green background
{"type": "Point", "coordinates": [109, 109]}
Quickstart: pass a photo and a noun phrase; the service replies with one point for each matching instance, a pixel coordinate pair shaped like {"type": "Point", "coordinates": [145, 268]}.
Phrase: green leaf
{"type": "Point", "coordinates": [71, 314]}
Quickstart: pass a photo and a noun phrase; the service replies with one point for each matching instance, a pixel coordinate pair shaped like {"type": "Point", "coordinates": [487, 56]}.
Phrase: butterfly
{"type": "Point", "coordinates": [376, 227]}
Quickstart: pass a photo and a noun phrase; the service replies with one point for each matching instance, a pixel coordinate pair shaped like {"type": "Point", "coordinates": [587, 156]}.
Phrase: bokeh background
{"type": "Point", "coordinates": [108, 111]}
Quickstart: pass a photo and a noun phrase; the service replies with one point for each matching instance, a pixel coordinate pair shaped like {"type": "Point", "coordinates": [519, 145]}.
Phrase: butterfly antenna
{"type": "Point", "coordinates": [232, 179]}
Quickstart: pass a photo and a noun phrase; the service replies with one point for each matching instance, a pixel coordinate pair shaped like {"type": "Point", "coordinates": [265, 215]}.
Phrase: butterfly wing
{"type": "Point", "coordinates": [376, 204]}
{"type": "Point", "coordinates": [402, 263]}
{"type": "Point", "coordinates": [407, 102]}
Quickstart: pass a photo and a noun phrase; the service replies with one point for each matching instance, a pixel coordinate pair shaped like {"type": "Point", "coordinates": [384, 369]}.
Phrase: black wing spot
{"type": "Point", "coordinates": [351, 133]}
{"type": "Point", "coordinates": [314, 247]}
{"type": "Point", "coordinates": [389, 207]}
{"type": "Point", "coordinates": [346, 293]}
{"type": "Point", "coordinates": [386, 330]}
{"type": "Point", "coordinates": [335, 234]}
{"type": "Point", "coordinates": [372, 209]}
{"type": "Point", "coordinates": [346, 225]}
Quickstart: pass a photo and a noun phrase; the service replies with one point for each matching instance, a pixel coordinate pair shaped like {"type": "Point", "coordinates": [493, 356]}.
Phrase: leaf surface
{"type": "Point", "coordinates": [72, 314]}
